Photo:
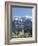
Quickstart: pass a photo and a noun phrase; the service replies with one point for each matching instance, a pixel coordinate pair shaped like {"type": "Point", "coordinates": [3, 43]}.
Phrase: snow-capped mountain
{"type": "Point", "coordinates": [22, 18]}
{"type": "Point", "coordinates": [26, 21]}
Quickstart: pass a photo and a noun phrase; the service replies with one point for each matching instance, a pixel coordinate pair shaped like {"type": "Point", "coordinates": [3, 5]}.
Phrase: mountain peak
{"type": "Point", "coordinates": [22, 17]}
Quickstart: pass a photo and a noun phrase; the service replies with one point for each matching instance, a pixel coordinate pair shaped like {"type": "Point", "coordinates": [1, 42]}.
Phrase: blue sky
{"type": "Point", "coordinates": [16, 11]}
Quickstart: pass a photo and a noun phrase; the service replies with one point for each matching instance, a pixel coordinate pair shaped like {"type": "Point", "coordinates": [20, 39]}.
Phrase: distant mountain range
{"type": "Point", "coordinates": [22, 18]}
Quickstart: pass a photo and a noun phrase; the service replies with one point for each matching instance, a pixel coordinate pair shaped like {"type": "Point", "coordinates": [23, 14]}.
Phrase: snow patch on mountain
{"type": "Point", "coordinates": [21, 17]}
{"type": "Point", "coordinates": [28, 16]}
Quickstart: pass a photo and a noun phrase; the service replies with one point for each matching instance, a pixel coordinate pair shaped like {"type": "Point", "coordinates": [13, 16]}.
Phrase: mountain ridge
{"type": "Point", "coordinates": [22, 17]}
